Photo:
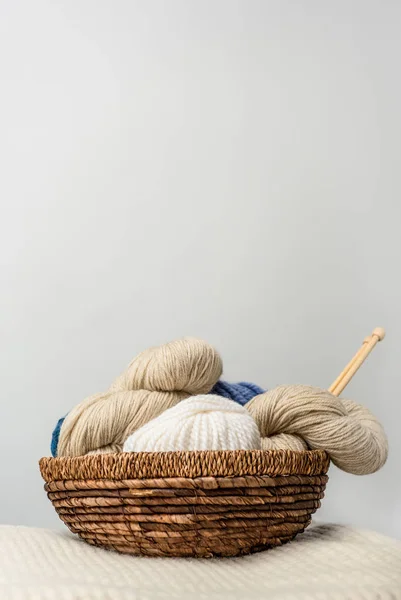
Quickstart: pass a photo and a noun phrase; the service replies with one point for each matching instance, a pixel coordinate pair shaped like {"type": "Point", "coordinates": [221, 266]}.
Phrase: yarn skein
{"type": "Point", "coordinates": [157, 379]}
{"type": "Point", "coordinates": [299, 417]}
{"type": "Point", "coordinates": [239, 392]}
{"type": "Point", "coordinates": [204, 422]}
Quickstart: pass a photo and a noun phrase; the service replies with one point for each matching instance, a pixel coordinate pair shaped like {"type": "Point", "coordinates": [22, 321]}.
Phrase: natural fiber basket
{"type": "Point", "coordinates": [202, 504]}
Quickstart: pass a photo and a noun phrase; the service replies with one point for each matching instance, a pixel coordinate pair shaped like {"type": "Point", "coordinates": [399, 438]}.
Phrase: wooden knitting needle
{"type": "Point", "coordinates": [347, 374]}
{"type": "Point", "coordinates": [349, 365]}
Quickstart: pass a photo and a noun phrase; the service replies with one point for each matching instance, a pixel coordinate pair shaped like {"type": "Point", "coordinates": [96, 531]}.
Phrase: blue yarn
{"type": "Point", "coordinates": [55, 436]}
{"type": "Point", "coordinates": [239, 392]}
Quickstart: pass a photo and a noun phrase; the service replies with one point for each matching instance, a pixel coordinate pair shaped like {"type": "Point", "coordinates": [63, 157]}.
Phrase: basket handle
{"type": "Point", "coordinates": [347, 374]}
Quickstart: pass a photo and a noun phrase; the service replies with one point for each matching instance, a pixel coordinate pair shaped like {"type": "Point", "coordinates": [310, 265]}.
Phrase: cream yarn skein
{"type": "Point", "coordinates": [157, 379]}
{"type": "Point", "coordinates": [298, 417]}
{"type": "Point", "coordinates": [205, 422]}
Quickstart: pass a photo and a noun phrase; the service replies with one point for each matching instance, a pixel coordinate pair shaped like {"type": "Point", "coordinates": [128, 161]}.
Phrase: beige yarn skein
{"type": "Point", "coordinates": [155, 380]}
{"type": "Point", "coordinates": [298, 417]}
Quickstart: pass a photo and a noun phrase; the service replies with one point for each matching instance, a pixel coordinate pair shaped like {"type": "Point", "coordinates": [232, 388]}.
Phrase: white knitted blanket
{"type": "Point", "coordinates": [326, 562]}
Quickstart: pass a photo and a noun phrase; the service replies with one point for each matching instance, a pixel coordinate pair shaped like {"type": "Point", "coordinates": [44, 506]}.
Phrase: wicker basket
{"type": "Point", "coordinates": [202, 504]}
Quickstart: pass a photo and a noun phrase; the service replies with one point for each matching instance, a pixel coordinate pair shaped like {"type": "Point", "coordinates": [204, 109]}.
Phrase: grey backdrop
{"type": "Point", "coordinates": [225, 169]}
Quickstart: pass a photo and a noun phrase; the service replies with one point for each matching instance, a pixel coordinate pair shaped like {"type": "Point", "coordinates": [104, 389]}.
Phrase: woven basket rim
{"type": "Point", "coordinates": [188, 464]}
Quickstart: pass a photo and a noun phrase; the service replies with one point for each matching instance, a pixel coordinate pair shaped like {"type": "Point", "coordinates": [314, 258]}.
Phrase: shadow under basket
{"type": "Point", "coordinates": [200, 504]}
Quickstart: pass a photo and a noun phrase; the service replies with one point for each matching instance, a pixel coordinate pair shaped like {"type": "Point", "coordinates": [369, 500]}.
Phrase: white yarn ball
{"type": "Point", "coordinates": [204, 422]}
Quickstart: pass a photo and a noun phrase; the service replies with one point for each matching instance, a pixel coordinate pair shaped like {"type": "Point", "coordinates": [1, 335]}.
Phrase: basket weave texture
{"type": "Point", "coordinates": [200, 504]}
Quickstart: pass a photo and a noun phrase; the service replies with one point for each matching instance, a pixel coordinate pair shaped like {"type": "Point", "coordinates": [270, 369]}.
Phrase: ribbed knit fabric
{"type": "Point", "coordinates": [327, 562]}
{"type": "Point", "coordinates": [239, 392]}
